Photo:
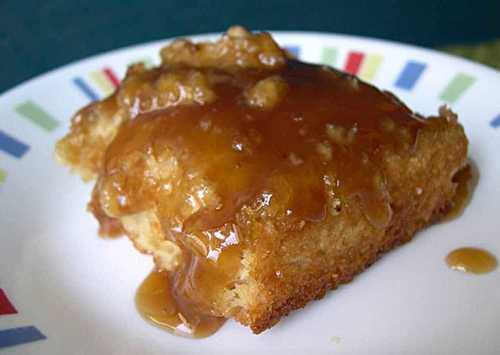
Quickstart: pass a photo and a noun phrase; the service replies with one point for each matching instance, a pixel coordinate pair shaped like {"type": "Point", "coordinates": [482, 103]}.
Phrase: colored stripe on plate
{"type": "Point", "coordinates": [37, 115]}
{"type": "Point", "coordinates": [5, 306]}
{"type": "Point", "coordinates": [370, 67]}
{"type": "Point", "coordinates": [410, 74]}
{"type": "Point", "coordinates": [12, 146]}
{"type": "Point", "coordinates": [294, 50]}
{"type": "Point", "coordinates": [102, 82]}
{"type": "Point", "coordinates": [111, 76]}
{"type": "Point", "coordinates": [457, 87]}
{"type": "Point", "coordinates": [495, 123]}
{"type": "Point", "coordinates": [86, 89]}
{"type": "Point", "coordinates": [353, 63]}
{"type": "Point", "coordinates": [329, 56]}
{"type": "Point", "coordinates": [17, 336]}
{"type": "Point", "coordinates": [3, 176]}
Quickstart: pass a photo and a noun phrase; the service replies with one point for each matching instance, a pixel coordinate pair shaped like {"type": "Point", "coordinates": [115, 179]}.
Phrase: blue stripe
{"type": "Point", "coordinates": [87, 90]}
{"type": "Point", "coordinates": [12, 146]}
{"type": "Point", "coordinates": [495, 123]}
{"type": "Point", "coordinates": [410, 75]}
{"type": "Point", "coordinates": [295, 50]}
{"type": "Point", "coordinates": [17, 336]}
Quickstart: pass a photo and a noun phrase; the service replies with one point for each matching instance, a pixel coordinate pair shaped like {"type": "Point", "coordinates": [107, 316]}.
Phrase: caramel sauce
{"type": "Point", "coordinates": [234, 125]}
{"type": "Point", "coordinates": [301, 154]}
{"type": "Point", "coordinates": [183, 151]}
{"type": "Point", "coordinates": [246, 151]}
{"type": "Point", "coordinates": [471, 260]}
{"type": "Point", "coordinates": [466, 180]}
{"type": "Point", "coordinates": [158, 302]}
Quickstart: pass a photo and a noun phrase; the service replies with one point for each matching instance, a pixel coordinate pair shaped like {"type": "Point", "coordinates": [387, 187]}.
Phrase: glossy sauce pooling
{"type": "Point", "coordinates": [472, 260]}
{"type": "Point", "coordinates": [319, 143]}
{"type": "Point", "coordinates": [183, 151]}
{"type": "Point", "coordinates": [158, 302]}
{"type": "Point", "coordinates": [299, 139]}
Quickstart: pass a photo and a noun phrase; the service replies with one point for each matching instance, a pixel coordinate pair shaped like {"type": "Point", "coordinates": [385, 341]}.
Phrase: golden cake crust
{"type": "Point", "coordinates": [258, 181]}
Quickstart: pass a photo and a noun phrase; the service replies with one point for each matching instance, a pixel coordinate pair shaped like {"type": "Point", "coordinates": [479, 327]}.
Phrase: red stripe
{"type": "Point", "coordinates": [353, 63]}
{"type": "Point", "coordinates": [5, 306]}
{"type": "Point", "coordinates": [111, 77]}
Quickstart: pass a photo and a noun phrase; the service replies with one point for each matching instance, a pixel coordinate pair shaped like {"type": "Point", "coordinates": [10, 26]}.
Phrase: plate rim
{"type": "Point", "coordinates": [51, 76]}
{"type": "Point", "coordinates": [208, 35]}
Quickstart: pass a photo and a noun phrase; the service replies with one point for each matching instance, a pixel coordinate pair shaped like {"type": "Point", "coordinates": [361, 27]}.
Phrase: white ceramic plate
{"type": "Point", "coordinates": [75, 292]}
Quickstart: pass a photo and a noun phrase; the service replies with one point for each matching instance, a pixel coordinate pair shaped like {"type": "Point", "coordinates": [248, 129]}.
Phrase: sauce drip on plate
{"type": "Point", "coordinates": [471, 260]}
{"type": "Point", "coordinates": [157, 301]}
{"type": "Point", "coordinates": [467, 259]}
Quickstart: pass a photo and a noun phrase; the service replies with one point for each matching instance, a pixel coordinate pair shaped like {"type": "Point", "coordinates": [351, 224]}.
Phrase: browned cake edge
{"type": "Point", "coordinates": [441, 151]}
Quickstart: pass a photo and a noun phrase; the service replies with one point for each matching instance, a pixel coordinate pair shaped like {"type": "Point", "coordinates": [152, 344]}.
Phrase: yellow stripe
{"type": "Point", "coordinates": [102, 83]}
{"type": "Point", "coordinates": [370, 67]}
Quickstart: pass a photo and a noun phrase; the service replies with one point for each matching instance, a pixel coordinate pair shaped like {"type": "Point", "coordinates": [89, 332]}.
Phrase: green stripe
{"type": "Point", "coordinates": [37, 115]}
{"type": "Point", "coordinates": [3, 175]}
{"type": "Point", "coordinates": [370, 66]}
{"type": "Point", "coordinates": [456, 87]}
{"type": "Point", "coordinates": [329, 56]}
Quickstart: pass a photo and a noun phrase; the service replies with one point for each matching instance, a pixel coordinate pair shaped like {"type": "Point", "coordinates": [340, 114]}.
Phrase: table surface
{"type": "Point", "coordinates": [37, 36]}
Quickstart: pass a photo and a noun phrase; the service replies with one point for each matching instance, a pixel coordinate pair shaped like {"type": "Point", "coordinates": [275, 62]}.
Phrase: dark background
{"type": "Point", "coordinates": [36, 36]}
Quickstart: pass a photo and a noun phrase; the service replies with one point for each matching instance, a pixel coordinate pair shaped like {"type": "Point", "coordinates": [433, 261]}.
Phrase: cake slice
{"type": "Point", "coordinates": [259, 182]}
